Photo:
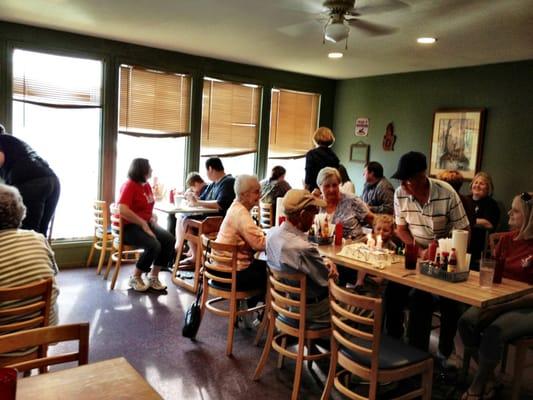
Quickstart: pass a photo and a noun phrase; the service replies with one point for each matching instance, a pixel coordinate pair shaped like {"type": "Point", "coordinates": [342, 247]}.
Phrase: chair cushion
{"type": "Point", "coordinates": [309, 325]}
{"type": "Point", "coordinates": [393, 353]}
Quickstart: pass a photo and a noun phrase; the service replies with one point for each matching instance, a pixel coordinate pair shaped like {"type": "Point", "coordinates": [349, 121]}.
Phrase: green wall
{"type": "Point", "coordinates": [409, 101]}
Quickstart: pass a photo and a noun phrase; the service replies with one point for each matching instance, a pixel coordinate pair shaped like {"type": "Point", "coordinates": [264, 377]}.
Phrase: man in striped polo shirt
{"type": "Point", "coordinates": [424, 209]}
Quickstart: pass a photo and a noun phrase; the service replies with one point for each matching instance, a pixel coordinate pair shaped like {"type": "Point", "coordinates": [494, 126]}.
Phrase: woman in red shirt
{"type": "Point", "coordinates": [136, 203]}
{"type": "Point", "coordinates": [490, 328]}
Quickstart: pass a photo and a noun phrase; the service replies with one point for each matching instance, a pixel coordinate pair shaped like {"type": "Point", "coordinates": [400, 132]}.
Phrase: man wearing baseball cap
{"type": "Point", "coordinates": [425, 209]}
{"type": "Point", "coordinates": [288, 250]}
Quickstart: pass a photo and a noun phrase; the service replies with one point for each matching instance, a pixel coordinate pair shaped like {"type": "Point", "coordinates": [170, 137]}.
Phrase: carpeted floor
{"type": "Point", "coordinates": [146, 330]}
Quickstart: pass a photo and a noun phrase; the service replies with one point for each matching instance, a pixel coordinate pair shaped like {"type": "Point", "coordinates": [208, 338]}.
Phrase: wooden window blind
{"type": "Point", "coordinates": [293, 121]}
{"type": "Point", "coordinates": [230, 118]}
{"type": "Point", "coordinates": [154, 103]}
{"type": "Point", "coordinates": [64, 87]}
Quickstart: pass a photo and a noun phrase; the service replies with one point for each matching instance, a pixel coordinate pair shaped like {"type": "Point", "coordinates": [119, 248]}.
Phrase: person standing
{"type": "Point", "coordinates": [136, 203]}
{"type": "Point", "coordinates": [22, 167]}
{"type": "Point", "coordinates": [424, 209]}
{"type": "Point", "coordinates": [378, 192]}
{"type": "Point", "coordinates": [347, 186]}
{"type": "Point", "coordinates": [319, 157]}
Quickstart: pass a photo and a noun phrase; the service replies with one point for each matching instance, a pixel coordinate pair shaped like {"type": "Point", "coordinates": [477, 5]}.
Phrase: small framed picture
{"type": "Point", "coordinates": [359, 152]}
{"type": "Point", "coordinates": [457, 141]}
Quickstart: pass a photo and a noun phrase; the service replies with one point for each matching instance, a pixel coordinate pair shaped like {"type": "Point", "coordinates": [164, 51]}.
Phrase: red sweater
{"type": "Point", "coordinates": [138, 197]}
{"type": "Point", "coordinates": [518, 255]}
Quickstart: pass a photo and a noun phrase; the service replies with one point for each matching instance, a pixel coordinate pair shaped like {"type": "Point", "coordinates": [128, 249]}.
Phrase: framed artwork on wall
{"type": "Point", "coordinates": [359, 152]}
{"type": "Point", "coordinates": [457, 141]}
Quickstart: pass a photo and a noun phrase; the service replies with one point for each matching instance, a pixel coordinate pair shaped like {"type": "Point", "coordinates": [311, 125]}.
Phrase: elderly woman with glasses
{"type": "Point", "coordinates": [347, 209]}
{"type": "Point", "coordinates": [490, 328]}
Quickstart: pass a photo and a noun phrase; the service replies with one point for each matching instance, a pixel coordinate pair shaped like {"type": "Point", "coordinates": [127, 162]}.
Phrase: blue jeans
{"type": "Point", "coordinates": [158, 251]}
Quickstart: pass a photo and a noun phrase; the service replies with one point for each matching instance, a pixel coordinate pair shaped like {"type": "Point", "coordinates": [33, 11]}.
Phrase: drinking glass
{"type": "Point", "coordinates": [486, 272]}
{"type": "Point", "coordinates": [411, 255]}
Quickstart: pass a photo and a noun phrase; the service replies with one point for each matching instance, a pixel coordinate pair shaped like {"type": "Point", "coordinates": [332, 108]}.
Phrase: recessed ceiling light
{"type": "Point", "coordinates": [335, 54]}
{"type": "Point", "coordinates": [426, 40]}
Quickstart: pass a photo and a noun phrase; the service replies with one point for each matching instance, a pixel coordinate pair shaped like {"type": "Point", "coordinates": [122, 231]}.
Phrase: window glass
{"type": "Point", "coordinates": [57, 111]}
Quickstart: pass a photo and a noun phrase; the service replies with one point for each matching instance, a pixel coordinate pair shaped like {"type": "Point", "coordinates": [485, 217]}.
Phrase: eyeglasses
{"type": "Point", "coordinates": [526, 197]}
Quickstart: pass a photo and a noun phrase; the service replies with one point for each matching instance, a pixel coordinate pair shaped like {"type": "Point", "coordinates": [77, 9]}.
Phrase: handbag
{"type": "Point", "coordinates": [193, 315]}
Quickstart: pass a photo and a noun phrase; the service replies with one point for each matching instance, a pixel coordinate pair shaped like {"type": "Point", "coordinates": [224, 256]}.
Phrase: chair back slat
{"type": "Point", "coordinates": [356, 322]}
{"type": "Point", "coordinates": [219, 257]}
{"type": "Point", "coordinates": [288, 294]}
{"type": "Point", "coordinates": [266, 215]}
{"type": "Point", "coordinates": [45, 336]}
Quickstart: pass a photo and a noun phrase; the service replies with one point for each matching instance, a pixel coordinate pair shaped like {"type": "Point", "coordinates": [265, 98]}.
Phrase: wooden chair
{"type": "Point", "coordinates": [25, 307]}
{"type": "Point", "coordinates": [221, 259]}
{"type": "Point", "coordinates": [102, 235]}
{"type": "Point", "coordinates": [266, 215]}
{"type": "Point", "coordinates": [120, 252]}
{"type": "Point", "coordinates": [360, 349]}
{"type": "Point", "coordinates": [44, 336]}
{"type": "Point", "coordinates": [287, 314]}
{"type": "Point", "coordinates": [522, 346]}
{"type": "Point", "coordinates": [193, 233]}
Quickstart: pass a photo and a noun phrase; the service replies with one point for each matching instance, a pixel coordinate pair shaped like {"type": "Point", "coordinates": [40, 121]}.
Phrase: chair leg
{"type": "Point", "coordinates": [231, 326]}
{"type": "Point", "coordinates": [280, 356]}
{"type": "Point", "coordinates": [298, 370]}
{"type": "Point", "coordinates": [261, 329]}
{"type": "Point", "coordinates": [91, 254]}
{"type": "Point", "coordinates": [427, 378]}
{"type": "Point", "coordinates": [109, 264]}
{"type": "Point", "coordinates": [115, 275]}
{"type": "Point", "coordinates": [331, 373]}
{"type": "Point", "coordinates": [101, 259]}
{"type": "Point", "coordinates": [266, 349]}
{"type": "Point", "coordinates": [519, 360]}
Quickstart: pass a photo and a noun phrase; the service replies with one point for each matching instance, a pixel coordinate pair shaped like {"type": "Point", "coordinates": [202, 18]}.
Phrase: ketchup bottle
{"type": "Point", "coordinates": [432, 250]}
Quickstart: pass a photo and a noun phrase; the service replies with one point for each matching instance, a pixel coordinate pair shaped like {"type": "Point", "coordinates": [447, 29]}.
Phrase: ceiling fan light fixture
{"type": "Point", "coordinates": [426, 40]}
{"type": "Point", "coordinates": [335, 55]}
{"type": "Point", "coordinates": [337, 31]}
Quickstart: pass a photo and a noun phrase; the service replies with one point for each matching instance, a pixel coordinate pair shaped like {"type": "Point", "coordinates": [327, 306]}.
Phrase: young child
{"type": "Point", "coordinates": [384, 226]}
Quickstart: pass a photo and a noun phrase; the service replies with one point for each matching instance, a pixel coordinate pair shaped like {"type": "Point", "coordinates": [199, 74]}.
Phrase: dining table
{"type": "Point", "coordinates": [469, 292]}
{"type": "Point", "coordinates": [104, 380]}
{"type": "Point", "coordinates": [184, 209]}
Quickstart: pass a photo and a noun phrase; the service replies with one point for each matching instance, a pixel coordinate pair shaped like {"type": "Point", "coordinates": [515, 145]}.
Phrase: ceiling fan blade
{"type": "Point", "coordinates": [371, 28]}
{"type": "Point", "coordinates": [303, 28]}
{"type": "Point", "coordinates": [382, 7]}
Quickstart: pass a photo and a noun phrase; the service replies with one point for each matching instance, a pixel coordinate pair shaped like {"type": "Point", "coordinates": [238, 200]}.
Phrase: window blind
{"type": "Point", "coordinates": [56, 81]}
{"type": "Point", "coordinates": [293, 121]}
{"type": "Point", "coordinates": [154, 103]}
{"type": "Point", "coordinates": [230, 118]}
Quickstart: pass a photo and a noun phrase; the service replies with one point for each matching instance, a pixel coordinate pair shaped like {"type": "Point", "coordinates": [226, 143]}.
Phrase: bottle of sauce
{"type": "Point", "coordinates": [432, 250]}
{"type": "Point", "coordinates": [437, 260]}
{"type": "Point", "coordinates": [452, 262]}
{"type": "Point", "coordinates": [325, 228]}
{"type": "Point", "coordinates": [444, 264]}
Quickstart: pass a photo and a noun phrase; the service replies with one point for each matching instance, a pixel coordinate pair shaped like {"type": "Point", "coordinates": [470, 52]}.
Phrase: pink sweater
{"type": "Point", "coordinates": [239, 228]}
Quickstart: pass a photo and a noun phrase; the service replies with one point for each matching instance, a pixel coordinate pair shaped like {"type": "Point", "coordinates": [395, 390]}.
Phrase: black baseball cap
{"type": "Point", "coordinates": [409, 165]}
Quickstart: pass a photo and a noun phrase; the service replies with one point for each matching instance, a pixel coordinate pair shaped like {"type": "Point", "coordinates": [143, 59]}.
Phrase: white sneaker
{"type": "Point", "coordinates": [155, 283]}
{"type": "Point", "coordinates": [137, 284]}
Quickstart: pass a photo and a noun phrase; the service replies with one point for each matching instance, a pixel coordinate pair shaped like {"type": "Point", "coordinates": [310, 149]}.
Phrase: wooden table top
{"type": "Point", "coordinates": [468, 292]}
{"type": "Point", "coordinates": [172, 209]}
{"type": "Point", "coordinates": [105, 380]}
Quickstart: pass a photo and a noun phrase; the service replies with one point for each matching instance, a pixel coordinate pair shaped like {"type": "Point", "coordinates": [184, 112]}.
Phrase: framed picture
{"type": "Point", "coordinates": [457, 141]}
{"type": "Point", "coordinates": [359, 152]}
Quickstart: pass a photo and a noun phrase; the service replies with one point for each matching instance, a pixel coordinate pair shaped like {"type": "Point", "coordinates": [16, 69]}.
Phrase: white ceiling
{"type": "Point", "coordinates": [285, 34]}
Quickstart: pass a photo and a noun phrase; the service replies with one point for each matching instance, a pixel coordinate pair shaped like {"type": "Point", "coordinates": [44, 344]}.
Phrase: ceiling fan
{"type": "Point", "coordinates": [343, 14]}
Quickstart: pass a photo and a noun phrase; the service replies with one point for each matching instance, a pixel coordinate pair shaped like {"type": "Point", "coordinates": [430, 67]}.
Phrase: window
{"type": "Point", "coordinates": [57, 110]}
{"type": "Point", "coordinates": [154, 123]}
{"type": "Point", "coordinates": [230, 121]}
{"type": "Point", "coordinates": [293, 121]}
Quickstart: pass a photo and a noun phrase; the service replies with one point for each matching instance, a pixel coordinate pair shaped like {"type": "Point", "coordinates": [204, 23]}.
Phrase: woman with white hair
{"type": "Point", "coordinates": [25, 256]}
{"type": "Point", "coordinates": [239, 228]}
{"type": "Point", "coordinates": [319, 157]}
{"type": "Point", "coordinates": [347, 209]}
{"type": "Point", "coordinates": [488, 329]}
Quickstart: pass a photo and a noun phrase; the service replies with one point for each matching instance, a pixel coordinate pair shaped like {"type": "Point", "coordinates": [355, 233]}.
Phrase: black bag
{"type": "Point", "coordinates": [193, 316]}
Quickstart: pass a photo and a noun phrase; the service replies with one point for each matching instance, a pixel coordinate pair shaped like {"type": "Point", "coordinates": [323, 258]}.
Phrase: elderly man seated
{"type": "Point", "coordinates": [239, 228]}
{"type": "Point", "coordinates": [289, 250]}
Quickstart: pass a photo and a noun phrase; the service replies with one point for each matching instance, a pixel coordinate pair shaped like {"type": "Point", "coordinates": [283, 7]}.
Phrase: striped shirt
{"type": "Point", "coordinates": [26, 257]}
{"type": "Point", "coordinates": [442, 213]}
